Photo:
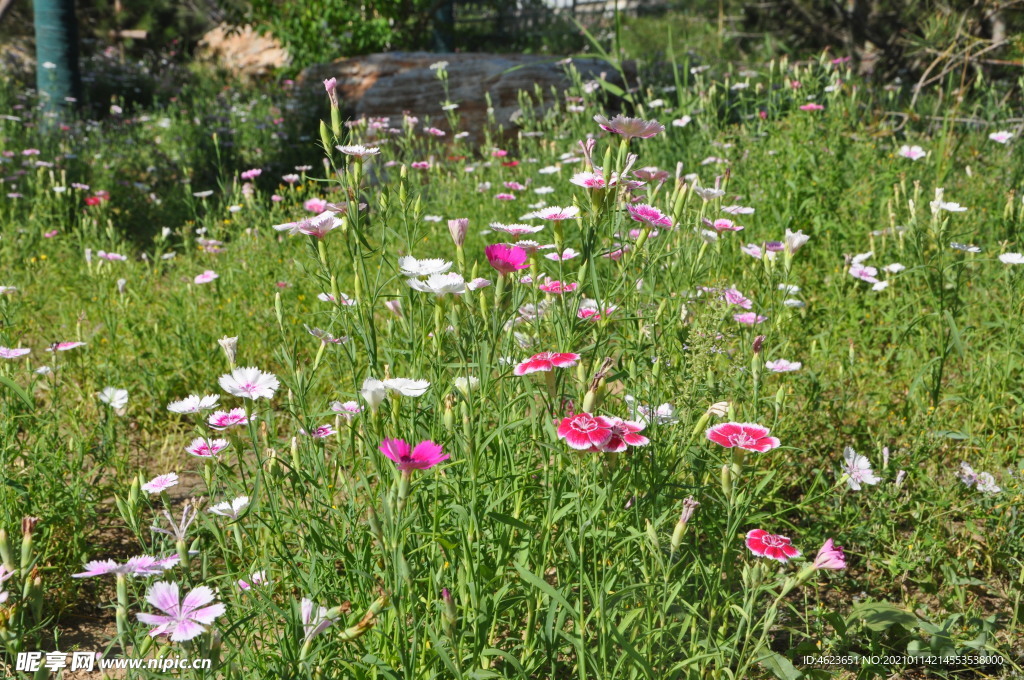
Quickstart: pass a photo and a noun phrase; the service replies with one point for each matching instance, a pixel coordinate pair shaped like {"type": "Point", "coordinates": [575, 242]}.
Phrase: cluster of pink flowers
{"type": "Point", "coordinates": [587, 432]}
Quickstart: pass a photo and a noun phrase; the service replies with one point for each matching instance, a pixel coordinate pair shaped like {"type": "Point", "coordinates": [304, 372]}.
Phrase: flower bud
{"type": "Point", "coordinates": [230, 347]}
{"type": "Point", "coordinates": [6, 552]}
{"type": "Point", "coordinates": [325, 137]}
{"type": "Point", "coordinates": [458, 229]}
{"type": "Point", "coordinates": [652, 536]}
{"type": "Point", "coordinates": [726, 475]}
{"type": "Point", "coordinates": [689, 505]}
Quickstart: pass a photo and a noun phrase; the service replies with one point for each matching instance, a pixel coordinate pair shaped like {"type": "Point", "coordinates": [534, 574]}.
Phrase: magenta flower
{"type": "Point", "coordinates": [748, 436]}
{"type": "Point", "coordinates": [649, 215]}
{"type": "Point", "coordinates": [584, 431]}
{"type": "Point", "coordinates": [208, 448]}
{"type": "Point", "coordinates": [546, 361]}
{"type": "Point", "coordinates": [749, 318]}
{"type": "Point", "coordinates": [625, 433]}
{"type": "Point", "coordinates": [143, 565]}
{"type": "Point", "coordinates": [830, 556]}
{"type": "Point", "coordinates": [426, 455]}
{"type": "Point", "coordinates": [506, 259]}
{"type": "Point", "coordinates": [630, 127]}
{"type": "Point", "coordinates": [812, 107]}
{"type": "Point", "coordinates": [182, 619]}
{"type": "Point", "coordinates": [772, 546]}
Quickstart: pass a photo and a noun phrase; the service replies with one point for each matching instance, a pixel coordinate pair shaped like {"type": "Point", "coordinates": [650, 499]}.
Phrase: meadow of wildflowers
{"type": "Point", "coordinates": [729, 386]}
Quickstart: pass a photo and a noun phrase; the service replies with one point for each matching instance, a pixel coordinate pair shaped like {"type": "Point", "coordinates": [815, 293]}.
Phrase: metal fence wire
{"type": "Point", "coordinates": [501, 24]}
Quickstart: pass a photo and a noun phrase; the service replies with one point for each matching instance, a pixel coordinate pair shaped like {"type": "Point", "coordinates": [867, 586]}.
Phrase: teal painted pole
{"type": "Point", "coordinates": [57, 74]}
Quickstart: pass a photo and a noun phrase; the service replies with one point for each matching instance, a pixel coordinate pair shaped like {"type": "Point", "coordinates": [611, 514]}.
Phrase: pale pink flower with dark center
{"type": "Point", "coordinates": [830, 556]}
{"type": "Point", "coordinates": [584, 431]}
{"type": "Point", "coordinates": [589, 180]}
{"type": "Point", "coordinates": [315, 205]}
{"type": "Point", "coordinates": [734, 297]}
{"type": "Point", "coordinates": [783, 366]}
{"type": "Point", "coordinates": [206, 277]}
{"type": "Point", "coordinates": [320, 225]}
{"type": "Point", "coordinates": [209, 448]}
{"type": "Point", "coordinates": [358, 151]}
{"type": "Point", "coordinates": [555, 213]}
{"type": "Point", "coordinates": [221, 420]}
{"type": "Point", "coordinates": [630, 127]}
{"type": "Point", "coordinates": [772, 546]}
{"type": "Point", "coordinates": [651, 174]}
{"type": "Point", "coordinates": [194, 404]}
{"type": "Point", "coordinates": [258, 578]}
{"type": "Point", "coordinates": [747, 436]}
{"type": "Point", "coordinates": [13, 353]}
{"type": "Point", "coordinates": [723, 224]}
{"type": "Point", "coordinates": [231, 509]}
{"type": "Point", "coordinates": [858, 469]}
{"type": "Point", "coordinates": [349, 409]}
{"type": "Point", "coordinates": [506, 259]}
{"type": "Point", "coordinates": [566, 254]}
{"type": "Point", "coordinates": [516, 230]}
{"type": "Point", "coordinates": [160, 483]}
{"type": "Point", "coordinates": [546, 361]}
{"type": "Point", "coordinates": [864, 273]}
{"type": "Point", "coordinates": [142, 565]}
{"type": "Point", "coordinates": [182, 619]}
{"type": "Point", "coordinates": [649, 215]}
{"type": "Point", "coordinates": [320, 432]}
{"type": "Point", "coordinates": [754, 251]}
{"type": "Point", "coordinates": [314, 622]}
{"type": "Point", "coordinates": [250, 383]}
{"type": "Point", "coordinates": [557, 287]}
{"type": "Point", "coordinates": [749, 318]}
{"type": "Point", "coordinates": [458, 228]}
{"type": "Point", "coordinates": [426, 455]}
{"type": "Point", "coordinates": [64, 346]}
{"type": "Point", "coordinates": [912, 152]}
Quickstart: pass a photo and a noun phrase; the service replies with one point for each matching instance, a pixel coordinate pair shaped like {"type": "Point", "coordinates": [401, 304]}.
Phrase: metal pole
{"type": "Point", "coordinates": [57, 74]}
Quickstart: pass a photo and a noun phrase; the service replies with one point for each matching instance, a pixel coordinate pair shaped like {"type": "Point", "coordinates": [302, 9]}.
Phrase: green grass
{"type": "Point", "coordinates": [559, 564]}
